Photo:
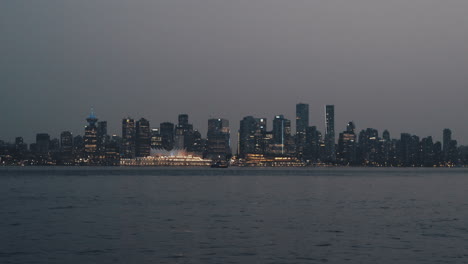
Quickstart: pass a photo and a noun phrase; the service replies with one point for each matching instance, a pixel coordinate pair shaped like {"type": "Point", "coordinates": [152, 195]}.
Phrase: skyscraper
{"type": "Point", "coordinates": [42, 143]}
{"type": "Point", "coordinates": [66, 146]}
{"type": "Point", "coordinates": [302, 122]}
{"type": "Point", "coordinates": [183, 120]}
{"type": "Point", "coordinates": [90, 138]}
{"type": "Point", "coordinates": [346, 153]}
{"type": "Point", "coordinates": [167, 135]}
{"type": "Point", "coordinates": [183, 133]}
{"type": "Point", "coordinates": [282, 135]}
{"type": "Point", "coordinates": [218, 139]}
{"type": "Point", "coordinates": [252, 136]}
{"type": "Point", "coordinates": [330, 133]}
{"type": "Point", "coordinates": [156, 140]}
{"type": "Point", "coordinates": [282, 138]}
{"type": "Point", "coordinates": [312, 147]}
{"type": "Point", "coordinates": [446, 141]}
{"type": "Point", "coordinates": [127, 149]}
{"type": "Point", "coordinates": [102, 136]}
{"type": "Point", "coordinates": [143, 138]}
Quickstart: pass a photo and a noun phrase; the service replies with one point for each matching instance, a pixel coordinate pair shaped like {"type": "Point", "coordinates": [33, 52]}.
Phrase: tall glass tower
{"type": "Point", "coordinates": [330, 133]}
{"type": "Point", "coordinates": [90, 138]}
{"type": "Point", "coordinates": [302, 122]}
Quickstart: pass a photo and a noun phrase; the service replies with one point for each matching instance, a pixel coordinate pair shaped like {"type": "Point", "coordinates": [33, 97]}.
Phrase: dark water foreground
{"type": "Point", "coordinates": [235, 215]}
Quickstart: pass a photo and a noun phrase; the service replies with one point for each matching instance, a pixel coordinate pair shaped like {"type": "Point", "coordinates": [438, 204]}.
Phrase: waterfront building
{"type": "Point", "coordinates": [90, 138]}
{"type": "Point", "coordinates": [218, 139]}
{"type": "Point", "coordinates": [447, 138]}
{"type": "Point", "coordinates": [66, 148]}
{"type": "Point", "coordinates": [450, 150]}
{"type": "Point", "coordinates": [251, 136]}
{"type": "Point", "coordinates": [128, 148]}
{"type": "Point", "coordinates": [142, 138]}
{"type": "Point", "coordinates": [312, 146]}
{"type": "Point", "coordinates": [302, 122]}
{"type": "Point", "coordinates": [183, 133]}
{"type": "Point", "coordinates": [282, 139]}
{"type": "Point", "coordinates": [167, 135]}
{"type": "Point", "coordinates": [369, 147]}
{"type": "Point", "coordinates": [156, 139]}
{"type": "Point", "coordinates": [42, 143]}
{"type": "Point", "coordinates": [102, 136]}
{"type": "Point", "coordinates": [346, 151]}
{"type": "Point", "coordinates": [330, 153]}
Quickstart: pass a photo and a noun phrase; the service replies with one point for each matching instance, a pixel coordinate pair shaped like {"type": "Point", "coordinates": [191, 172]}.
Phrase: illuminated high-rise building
{"type": "Point", "coordinates": [346, 152]}
{"type": "Point", "coordinates": [127, 149]}
{"type": "Point", "coordinates": [302, 122]}
{"type": "Point", "coordinates": [156, 140]}
{"type": "Point", "coordinates": [252, 136]}
{"type": "Point", "coordinates": [90, 137]}
{"type": "Point", "coordinates": [282, 139]}
{"type": "Point", "coordinates": [143, 138]}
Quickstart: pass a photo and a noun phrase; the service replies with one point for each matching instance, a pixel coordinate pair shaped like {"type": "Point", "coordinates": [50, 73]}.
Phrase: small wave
{"type": "Point", "coordinates": [91, 252]}
{"type": "Point", "coordinates": [323, 245]}
{"type": "Point", "coordinates": [63, 207]}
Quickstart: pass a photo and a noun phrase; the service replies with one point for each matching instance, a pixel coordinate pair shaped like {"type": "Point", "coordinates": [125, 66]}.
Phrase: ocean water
{"type": "Point", "coordinates": [235, 215]}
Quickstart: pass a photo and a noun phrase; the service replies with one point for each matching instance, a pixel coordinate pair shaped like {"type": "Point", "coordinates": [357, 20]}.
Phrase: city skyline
{"type": "Point", "coordinates": [116, 129]}
{"type": "Point", "coordinates": [141, 143]}
{"type": "Point", "coordinates": [387, 65]}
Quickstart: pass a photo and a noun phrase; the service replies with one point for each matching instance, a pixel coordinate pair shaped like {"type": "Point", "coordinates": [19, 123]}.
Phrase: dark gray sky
{"type": "Point", "coordinates": [400, 65]}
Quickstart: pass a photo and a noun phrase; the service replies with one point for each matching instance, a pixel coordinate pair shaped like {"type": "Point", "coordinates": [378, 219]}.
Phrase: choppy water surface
{"type": "Point", "coordinates": [235, 215]}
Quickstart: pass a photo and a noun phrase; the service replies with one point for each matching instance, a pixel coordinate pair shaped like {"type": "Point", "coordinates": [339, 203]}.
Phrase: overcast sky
{"type": "Point", "coordinates": [400, 65]}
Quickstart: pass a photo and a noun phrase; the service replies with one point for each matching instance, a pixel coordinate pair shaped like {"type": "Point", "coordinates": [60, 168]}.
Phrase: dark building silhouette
{"type": "Point", "coordinates": [167, 135]}
{"type": "Point", "coordinates": [20, 147]}
{"type": "Point", "coordinates": [427, 152]}
{"type": "Point", "coordinates": [438, 155]}
{"type": "Point", "coordinates": [78, 147]}
{"type": "Point", "coordinates": [346, 153]}
{"type": "Point", "coordinates": [369, 147]}
{"type": "Point", "coordinates": [197, 144]}
{"type": "Point", "coordinates": [183, 120]}
{"type": "Point", "coordinates": [330, 154]}
{"type": "Point", "coordinates": [447, 138]}
{"type": "Point", "coordinates": [183, 133]}
{"type": "Point", "coordinates": [42, 143]}
{"type": "Point", "coordinates": [143, 138]}
{"type": "Point", "coordinates": [127, 149]}
{"type": "Point", "coordinates": [450, 150]}
{"type": "Point", "coordinates": [410, 150]}
{"type": "Point", "coordinates": [386, 150]}
{"type": "Point", "coordinates": [66, 147]}
{"type": "Point", "coordinates": [312, 147]}
{"type": "Point", "coordinates": [218, 139]}
{"type": "Point", "coordinates": [302, 122]}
